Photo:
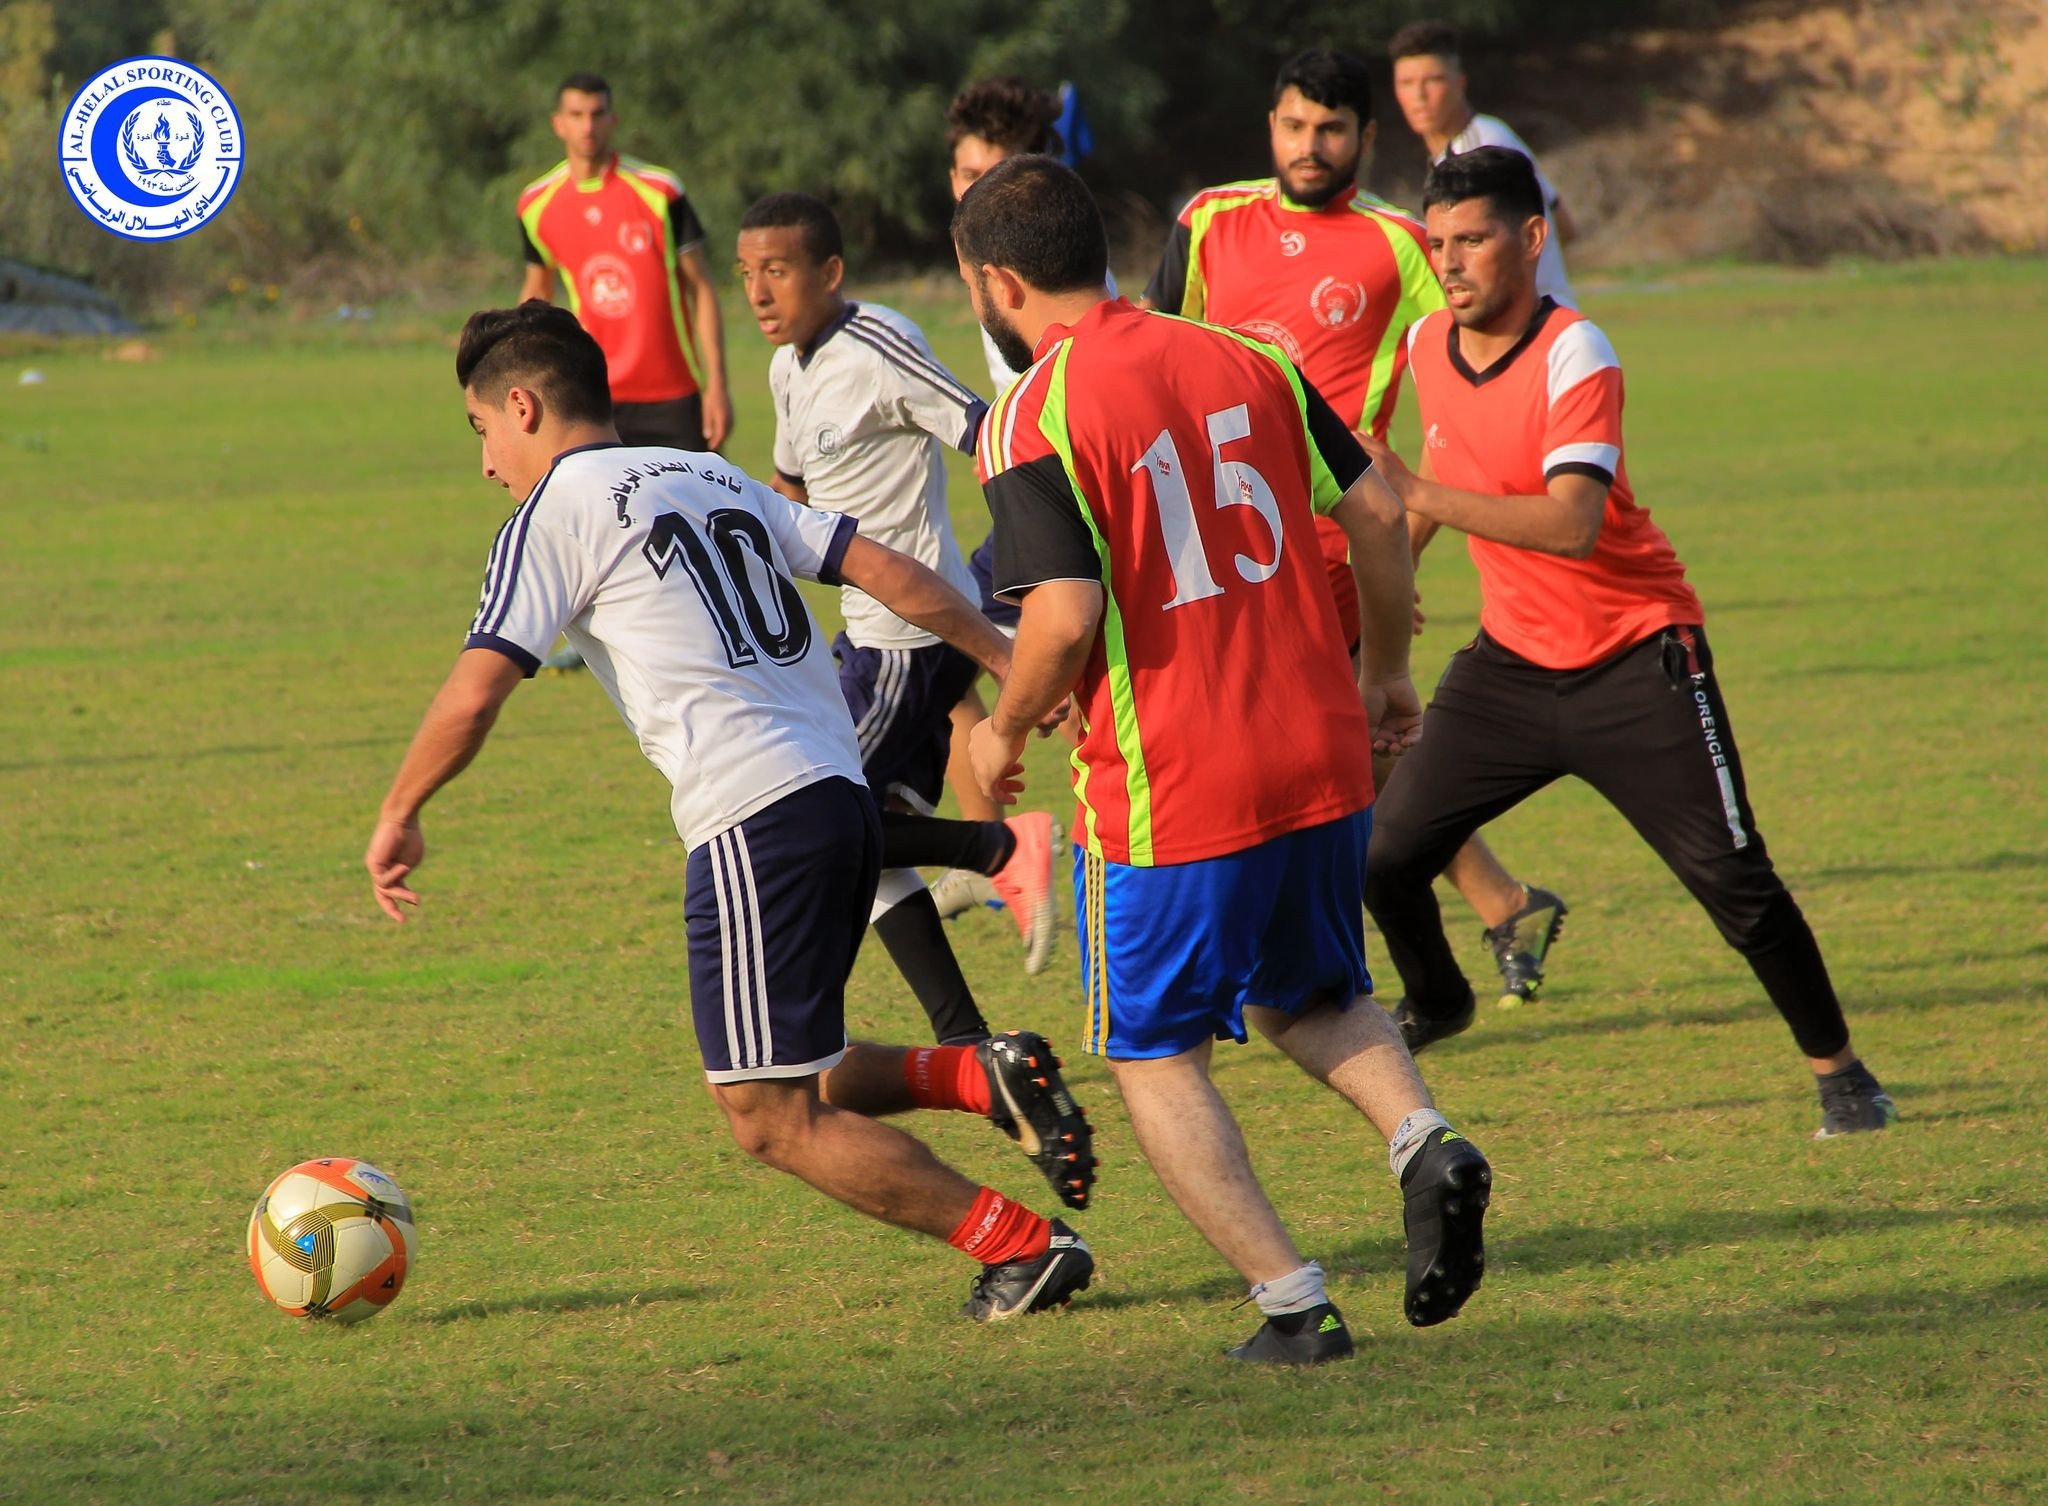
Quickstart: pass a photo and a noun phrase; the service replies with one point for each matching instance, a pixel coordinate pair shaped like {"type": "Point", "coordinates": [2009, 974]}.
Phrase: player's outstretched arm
{"type": "Point", "coordinates": [707, 326]}
{"type": "Point", "coordinates": [450, 735]}
{"type": "Point", "coordinates": [1056, 631]}
{"type": "Point", "coordinates": [921, 596]}
{"type": "Point", "coordinates": [1563, 520]}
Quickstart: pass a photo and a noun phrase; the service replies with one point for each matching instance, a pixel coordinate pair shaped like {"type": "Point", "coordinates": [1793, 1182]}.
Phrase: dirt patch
{"type": "Point", "coordinates": [1873, 127]}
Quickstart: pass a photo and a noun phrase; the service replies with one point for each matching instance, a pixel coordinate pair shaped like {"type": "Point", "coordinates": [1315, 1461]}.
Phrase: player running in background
{"type": "Point", "coordinates": [1429, 84]}
{"type": "Point", "coordinates": [1308, 260]}
{"type": "Point", "coordinates": [622, 238]}
{"type": "Point", "coordinates": [863, 415]}
{"type": "Point", "coordinates": [672, 573]}
{"type": "Point", "coordinates": [1155, 484]}
{"type": "Point", "coordinates": [987, 122]}
{"type": "Point", "coordinates": [1590, 658]}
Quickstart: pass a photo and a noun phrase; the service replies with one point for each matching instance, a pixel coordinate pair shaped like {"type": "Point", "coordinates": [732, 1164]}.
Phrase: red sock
{"type": "Point", "coordinates": [946, 1077]}
{"type": "Point", "coordinates": [997, 1231]}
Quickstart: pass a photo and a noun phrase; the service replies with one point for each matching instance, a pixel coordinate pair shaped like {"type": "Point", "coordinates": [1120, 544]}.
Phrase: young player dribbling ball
{"type": "Point", "coordinates": [671, 572]}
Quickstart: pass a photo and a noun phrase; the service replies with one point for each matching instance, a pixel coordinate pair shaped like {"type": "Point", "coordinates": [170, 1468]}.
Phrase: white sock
{"type": "Point", "coordinates": [1296, 1292]}
{"type": "Point", "coordinates": [1409, 1135]}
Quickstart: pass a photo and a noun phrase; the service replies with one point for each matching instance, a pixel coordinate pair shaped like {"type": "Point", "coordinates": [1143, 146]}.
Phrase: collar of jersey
{"type": "Point", "coordinates": [803, 357]}
{"type": "Point", "coordinates": [1288, 206]}
{"type": "Point", "coordinates": [592, 185]}
{"type": "Point", "coordinates": [1545, 307]}
{"type": "Point", "coordinates": [1088, 323]}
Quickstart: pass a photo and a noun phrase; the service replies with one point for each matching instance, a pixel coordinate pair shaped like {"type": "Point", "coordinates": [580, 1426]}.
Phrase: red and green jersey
{"type": "Point", "coordinates": [613, 240]}
{"type": "Point", "coordinates": [1183, 468]}
{"type": "Point", "coordinates": [1335, 288]}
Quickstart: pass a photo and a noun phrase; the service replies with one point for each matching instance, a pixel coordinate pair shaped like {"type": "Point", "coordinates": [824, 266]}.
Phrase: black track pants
{"type": "Point", "coordinates": [1648, 730]}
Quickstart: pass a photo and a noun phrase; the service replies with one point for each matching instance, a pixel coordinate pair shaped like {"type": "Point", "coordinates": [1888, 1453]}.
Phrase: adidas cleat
{"type": "Point", "coordinates": [1029, 1102]}
{"type": "Point", "coordinates": [1032, 1286]}
{"type": "Point", "coordinates": [1853, 1102]}
{"type": "Point", "coordinates": [1025, 886]}
{"type": "Point", "coordinates": [1521, 942]}
{"type": "Point", "coordinates": [1303, 1338]}
{"type": "Point", "coordinates": [1419, 1029]}
{"type": "Point", "coordinates": [1444, 1193]}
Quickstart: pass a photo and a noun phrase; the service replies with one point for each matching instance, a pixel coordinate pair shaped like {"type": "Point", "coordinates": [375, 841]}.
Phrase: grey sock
{"type": "Point", "coordinates": [1296, 1292]}
{"type": "Point", "coordinates": [1409, 1135]}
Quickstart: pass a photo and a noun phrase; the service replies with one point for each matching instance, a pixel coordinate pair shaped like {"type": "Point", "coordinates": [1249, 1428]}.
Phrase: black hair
{"type": "Point", "coordinates": [1425, 39]}
{"type": "Point", "coordinates": [1499, 174]}
{"type": "Point", "coordinates": [1033, 216]}
{"type": "Point", "coordinates": [584, 83]}
{"type": "Point", "coordinates": [1005, 112]}
{"type": "Point", "coordinates": [1334, 80]}
{"type": "Point", "coordinates": [537, 346]}
{"type": "Point", "coordinates": [798, 211]}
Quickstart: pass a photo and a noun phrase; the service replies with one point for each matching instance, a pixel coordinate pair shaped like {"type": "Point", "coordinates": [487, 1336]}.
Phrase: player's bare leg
{"type": "Point", "coordinates": [974, 805]}
{"type": "Point", "coordinates": [1446, 1183]}
{"type": "Point", "coordinates": [1521, 922]}
{"type": "Point", "coordinates": [1195, 1147]}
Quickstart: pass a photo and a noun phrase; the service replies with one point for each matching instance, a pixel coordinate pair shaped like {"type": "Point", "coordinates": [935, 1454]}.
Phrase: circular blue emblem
{"type": "Point", "coordinates": [151, 148]}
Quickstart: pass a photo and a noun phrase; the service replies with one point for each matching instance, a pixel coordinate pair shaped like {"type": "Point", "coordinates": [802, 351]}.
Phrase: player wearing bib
{"type": "Point", "coordinates": [1591, 659]}
{"type": "Point", "coordinates": [1335, 277]}
{"type": "Point", "coordinates": [1429, 83]}
{"type": "Point", "coordinates": [1155, 484]}
{"type": "Point", "coordinates": [863, 416]}
{"type": "Point", "coordinates": [673, 572]}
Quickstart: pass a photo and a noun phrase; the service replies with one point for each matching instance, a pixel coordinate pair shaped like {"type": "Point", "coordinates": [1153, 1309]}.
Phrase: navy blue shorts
{"type": "Point", "coordinates": [775, 910]}
{"type": "Point", "coordinates": [1171, 956]}
{"type": "Point", "coordinates": [982, 562]}
{"type": "Point", "coordinates": [902, 701]}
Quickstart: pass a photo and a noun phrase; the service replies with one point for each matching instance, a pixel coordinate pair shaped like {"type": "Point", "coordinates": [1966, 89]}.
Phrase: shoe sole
{"type": "Point", "coordinates": [1044, 928]}
{"type": "Point", "coordinates": [1035, 1300]}
{"type": "Point", "coordinates": [1059, 1132]}
{"type": "Point", "coordinates": [1460, 1262]}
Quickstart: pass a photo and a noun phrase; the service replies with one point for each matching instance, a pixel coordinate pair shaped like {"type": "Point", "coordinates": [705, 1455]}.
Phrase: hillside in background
{"type": "Point", "coordinates": [1797, 132]}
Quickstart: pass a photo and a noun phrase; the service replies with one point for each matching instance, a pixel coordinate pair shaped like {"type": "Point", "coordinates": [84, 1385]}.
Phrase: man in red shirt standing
{"type": "Point", "coordinates": [627, 246]}
{"type": "Point", "coordinates": [1155, 485]}
{"type": "Point", "coordinates": [1591, 659]}
{"type": "Point", "coordinates": [1311, 262]}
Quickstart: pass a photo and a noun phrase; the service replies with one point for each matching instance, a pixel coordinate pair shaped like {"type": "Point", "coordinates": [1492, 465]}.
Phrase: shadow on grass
{"type": "Point", "coordinates": [557, 1302]}
{"type": "Point", "coordinates": [1584, 1247]}
{"type": "Point", "coordinates": [1990, 862]}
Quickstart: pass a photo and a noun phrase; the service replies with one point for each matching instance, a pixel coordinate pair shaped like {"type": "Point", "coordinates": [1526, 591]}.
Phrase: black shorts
{"type": "Point", "coordinates": [775, 911]}
{"type": "Point", "coordinates": [679, 422]}
{"type": "Point", "coordinates": [902, 701]}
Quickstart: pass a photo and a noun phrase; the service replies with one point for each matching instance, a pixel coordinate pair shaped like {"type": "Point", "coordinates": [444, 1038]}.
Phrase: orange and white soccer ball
{"type": "Point", "coordinates": [332, 1239]}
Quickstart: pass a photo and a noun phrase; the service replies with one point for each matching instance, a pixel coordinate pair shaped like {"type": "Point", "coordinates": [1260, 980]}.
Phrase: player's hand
{"type": "Point", "coordinates": [717, 419]}
{"type": "Point", "coordinates": [396, 848]}
{"type": "Point", "coordinates": [1395, 713]}
{"type": "Point", "coordinates": [998, 766]}
{"type": "Point", "coordinates": [1392, 468]}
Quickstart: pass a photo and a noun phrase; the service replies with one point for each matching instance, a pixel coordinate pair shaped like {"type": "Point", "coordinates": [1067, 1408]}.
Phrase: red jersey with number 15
{"type": "Point", "coordinates": [1549, 407]}
{"type": "Point", "coordinates": [1182, 467]}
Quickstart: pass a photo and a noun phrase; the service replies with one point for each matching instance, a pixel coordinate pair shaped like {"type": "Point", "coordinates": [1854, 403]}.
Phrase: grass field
{"type": "Point", "coordinates": [232, 578]}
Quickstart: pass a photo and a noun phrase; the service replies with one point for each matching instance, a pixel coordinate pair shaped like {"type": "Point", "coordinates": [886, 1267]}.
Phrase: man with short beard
{"type": "Point", "coordinates": [1309, 261]}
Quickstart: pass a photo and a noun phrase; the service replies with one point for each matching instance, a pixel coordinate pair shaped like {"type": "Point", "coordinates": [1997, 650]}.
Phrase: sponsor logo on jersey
{"type": "Point", "coordinates": [1336, 303]}
{"type": "Point", "coordinates": [1292, 243]}
{"type": "Point", "coordinates": [830, 441]}
{"type": "Point", "coordinates": [593, 215]}
{"type": "Point", "coordinates": [150, 148]}
{"type": "Point", "coordinates": [1435, 438]}
{"type": "Point", "coordinates": [635, 238]}
{"type": "Point", "coordinates": [608, 287]}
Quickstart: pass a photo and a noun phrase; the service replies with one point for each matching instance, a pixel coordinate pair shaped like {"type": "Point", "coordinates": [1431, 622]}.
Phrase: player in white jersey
{"type": "Point", "coordinates": [863, 416]}
{"type": "Point", "coordinates": [672, 572]}
{"type": "Point", "coordinates": [1429, 82]}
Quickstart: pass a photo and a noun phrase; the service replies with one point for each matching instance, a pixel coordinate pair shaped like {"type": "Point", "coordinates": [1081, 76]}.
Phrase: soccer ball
{"type": "Point", "coordinates": [332, 1239]}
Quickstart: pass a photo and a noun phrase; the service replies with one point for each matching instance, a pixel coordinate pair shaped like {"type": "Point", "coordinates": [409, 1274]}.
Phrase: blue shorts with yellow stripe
{"type": "Point", "coordinates": [1170, 956]}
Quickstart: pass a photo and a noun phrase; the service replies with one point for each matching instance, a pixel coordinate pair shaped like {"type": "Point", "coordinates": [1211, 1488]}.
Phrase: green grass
{"type": "Point", "coordinates": [233, 576]}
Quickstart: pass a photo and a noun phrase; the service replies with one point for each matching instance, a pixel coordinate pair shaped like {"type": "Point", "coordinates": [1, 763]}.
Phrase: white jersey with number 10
{"type": "Point", "coordinates": [671, 573]}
